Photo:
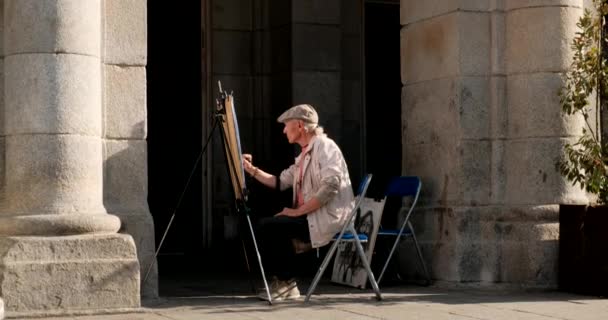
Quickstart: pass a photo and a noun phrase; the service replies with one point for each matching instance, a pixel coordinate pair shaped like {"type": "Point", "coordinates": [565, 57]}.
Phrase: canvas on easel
{"type": "Point", "coordinates": [348, 268]}
{"type": "Point", "coordinates": [233, 147]}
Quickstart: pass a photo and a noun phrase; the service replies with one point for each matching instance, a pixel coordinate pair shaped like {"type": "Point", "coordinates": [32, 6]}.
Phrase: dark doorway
{"type": "Point", "coordinates": [383, 93]}
{"type": "Point", "coordinates": [175, 131]}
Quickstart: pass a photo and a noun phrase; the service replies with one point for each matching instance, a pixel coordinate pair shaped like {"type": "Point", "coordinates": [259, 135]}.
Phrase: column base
{"type": "Point", "coordinates": [69, 273]}
{"type": "Point", "coordinates": [58, 224]}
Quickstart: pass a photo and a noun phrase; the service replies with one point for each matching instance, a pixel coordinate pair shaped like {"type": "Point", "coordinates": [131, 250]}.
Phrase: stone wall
{"type": "Point", "coordinates": [125, 130]}
{"type": "Point", "coordinates": [483, 128]}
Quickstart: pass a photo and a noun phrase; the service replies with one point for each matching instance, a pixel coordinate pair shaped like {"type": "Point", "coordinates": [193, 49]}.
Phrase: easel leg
{"type": "Point", "coordinates": [257, 252]}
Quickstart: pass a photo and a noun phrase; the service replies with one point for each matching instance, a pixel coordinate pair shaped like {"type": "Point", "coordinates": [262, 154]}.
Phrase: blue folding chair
{"type": "Point", "coordinates": [404, 187]}
{"type": "Point", "coordinates": [348, 233]}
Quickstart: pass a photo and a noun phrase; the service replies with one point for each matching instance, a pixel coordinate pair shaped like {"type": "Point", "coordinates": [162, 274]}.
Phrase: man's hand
{"type": "Point", "coordinates": [288, 212]}
{"type": "Point", "coordinates": [247, 163]}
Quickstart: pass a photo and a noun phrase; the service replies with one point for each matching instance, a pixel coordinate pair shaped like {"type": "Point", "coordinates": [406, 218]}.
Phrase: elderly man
{"type": "Point", "coordinates": [322, 198]}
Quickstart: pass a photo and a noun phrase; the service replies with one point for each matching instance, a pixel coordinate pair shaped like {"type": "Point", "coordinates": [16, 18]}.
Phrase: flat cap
{"type": "Point", "coordinates": [304, 112]}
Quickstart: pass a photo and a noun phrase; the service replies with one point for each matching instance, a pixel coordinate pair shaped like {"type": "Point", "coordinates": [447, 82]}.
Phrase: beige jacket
{"type": "Point", "coordinates": [325, 177]}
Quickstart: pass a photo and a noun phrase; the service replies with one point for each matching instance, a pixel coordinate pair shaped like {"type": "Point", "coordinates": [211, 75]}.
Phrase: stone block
{"type": "Point", "coordinates": [498, 113]}
{"type": "Point", "coordinates": [351, 57]}
{"type": "Point", "coordinates": [439, 167]}
{"type": "Point", "coordinates": [320, 89]}
{"type": "Point", "coordinates": [475, 43]}
{"type": "Point", "coordinates": [414, 10]}
{"type": "Point", "coordinates": [351, 13]}
{"type": "Point", "coordinates": [454, 44]}
{"type": "Point", "coordinates": [480, 244]}
{"type": "Point", "coordinates": [2, 96]}
{"type": "Point", "coordinates": [232, 52]}
{"type": "Point", "coordinates": [92, 272]}
{"type": "Point", "coordinates": [534, 107]}
{"type": "Point", "coordinates": [429, 49]}
{"type": "Point", "coordinates": [316, 11]}
{"type": "Point", "coordinates": [125, 176]}
{"type": "Point", "coordinates": [140, 226]}
{"type": "Point", "coordinates": [498, 174]}
{"type": "Point", "coordinates": [476, 177]}
{"type": "Point", "coordinates": [53, 174]}
{"type": "Point", "coordinates": [459, 174]}
{"type": "Point", "coordinates": [352, 100]}
{"type": "Point", "coordinates": [275, 48]}
{"type": "Point", "coordinates": [445, 110]}
{"type": "Point", "coordinates": [232, 14]}
{"type": "Point", "coordinates": [125, 32]}
{"type": "Point", "coordinates": [520, 4]}
{"type": "Point", "coordinates": [538, 39]}
{"type": "Point", "coordinates": [316, 47]}
{"type": "Point", "coordinates": [497, 46]}
{"type": "Point", "coordinates": [57, 94]}
{"type": "Point", "coordinates": [1, 41]}
{"type": "Point", "coordinates": [276, 12]}
{"type": "Point", "coordinates": [52, 26]}
{"type": "Point", "coordinates": [125, 112]}
{"type": "Point", "coordinates": [532, 176]}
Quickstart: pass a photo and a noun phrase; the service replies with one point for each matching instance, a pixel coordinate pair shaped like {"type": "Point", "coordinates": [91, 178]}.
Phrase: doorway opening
{"type": "Point", "coordinates": [175, 132]}
{"type": "Point", "coordinates": [383, 97]}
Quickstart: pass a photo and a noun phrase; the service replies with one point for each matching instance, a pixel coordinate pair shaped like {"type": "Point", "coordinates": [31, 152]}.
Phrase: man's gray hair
{"type": "Point", "coordinates": [313, 127]}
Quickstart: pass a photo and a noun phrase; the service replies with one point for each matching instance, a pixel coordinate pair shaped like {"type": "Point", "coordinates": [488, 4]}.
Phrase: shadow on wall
{"type": "Point", "coordinates": [125, 195]}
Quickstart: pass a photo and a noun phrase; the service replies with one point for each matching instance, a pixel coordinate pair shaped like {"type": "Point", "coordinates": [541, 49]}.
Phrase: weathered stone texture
{"type": "Point", "coordinates": [414, 10]}
{"type": "Point", "coordinates": [320, 89]}
{"type": "Point", "coordinates": [58, 94]}
{"type": "Point", "coordinates": [125, 32]}
{"type": "Point", "coordinates": [483, 128]}
{"type": "Point", "coordinates": [316, 47]}
{"type": "Point", "coordinates": [125, 175]}
{"type": "Point", "coordinates": [508, 244]}
{"type": "Point", "coordinates": [316, 11]}
{"type": "Point", "coordinates": [350, 17]}
{"type": "Point", "coordinates": [538, 39]}
{"type": "Point", "coordinates": [125, 195]}
{"type": "Point", "coordinates": [532, 174]}
{"type": "Point", "coordinates": [534, 110]}
{"type": "Point", "coordinates": [519, 4]}
{"type": "Point", "coordinates": [234, 14]}
{"type": "Point", "coordinates": [66, 26]}
{"type": "Point", "coordinates": [53, 174]}
{"type": "Point", "coordinates": [125, 113]}
{"type": "Point", "coordinates": [232, 52]}
{"type": "Point", "coordinates": [429, 49]}
{"type": "Point", "coordinates": [69, 273]}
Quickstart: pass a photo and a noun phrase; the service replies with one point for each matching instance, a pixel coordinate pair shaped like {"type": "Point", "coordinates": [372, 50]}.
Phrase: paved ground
{"type": "Point", "coordinates": [337, 302]}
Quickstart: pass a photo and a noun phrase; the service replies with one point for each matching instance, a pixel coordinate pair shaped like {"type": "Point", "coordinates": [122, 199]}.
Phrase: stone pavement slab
{"type": "Point", "coordinates": [404, 302]}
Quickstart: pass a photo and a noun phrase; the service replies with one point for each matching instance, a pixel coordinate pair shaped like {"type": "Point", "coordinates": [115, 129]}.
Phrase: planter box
{"type": "Point", "coordinates": [583, 249]}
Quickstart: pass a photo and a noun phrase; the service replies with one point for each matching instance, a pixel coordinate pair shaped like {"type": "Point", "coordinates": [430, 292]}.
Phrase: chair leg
{"type": "Point", "coordinates": [370, 274]}
{"type": "Point", "coordinates": [322, 268]}
{"type": "Point", "coordinates": [390, 255]}
{"type": "Point", "coordinates": [257, 251]}
{"type": "Point", "coordinates": [420, 258]}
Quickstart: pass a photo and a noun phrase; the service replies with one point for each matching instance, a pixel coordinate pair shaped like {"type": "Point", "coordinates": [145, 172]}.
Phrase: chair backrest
{"type": "Point", "coordinates": [405, 186]}
{"type": "Point", "coordinates": [360, 195]}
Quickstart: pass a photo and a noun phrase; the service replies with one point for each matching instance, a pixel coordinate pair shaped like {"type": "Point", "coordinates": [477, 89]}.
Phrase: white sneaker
{"type": "Point", "coordinates": [281, 290]}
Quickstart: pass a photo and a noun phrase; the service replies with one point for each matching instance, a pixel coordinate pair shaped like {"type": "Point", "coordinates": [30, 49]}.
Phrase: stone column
{"type": "Point", "coordinates": [483, 127]}
{"type": "Point", "coordinates": [53, 179]}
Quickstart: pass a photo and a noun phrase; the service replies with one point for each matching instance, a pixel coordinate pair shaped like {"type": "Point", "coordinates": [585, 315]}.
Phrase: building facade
{"type": "Point", "coordinates": [105, 109]}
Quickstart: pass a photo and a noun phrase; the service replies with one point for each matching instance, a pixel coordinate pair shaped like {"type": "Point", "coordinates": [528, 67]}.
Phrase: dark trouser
{"type": "Point", "coordinates": [275, 235]}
